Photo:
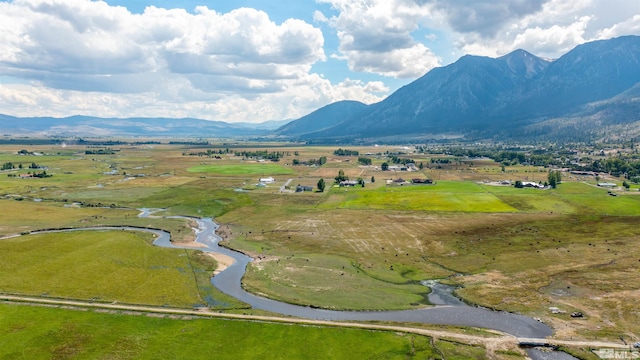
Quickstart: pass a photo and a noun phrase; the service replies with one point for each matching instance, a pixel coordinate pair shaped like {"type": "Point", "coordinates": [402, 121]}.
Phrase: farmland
{"type": "Point", "coordinates": [524, 250]}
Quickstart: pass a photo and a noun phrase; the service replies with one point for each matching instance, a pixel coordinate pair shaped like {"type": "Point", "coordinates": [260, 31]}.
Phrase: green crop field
{"type": "Point", "coordinates": [242, 169]}
{"type": "Point", "coordinates": [105, 266]}
{"type": "Point", "coordinates": [450, 197]}
{"type": "Point", "coordinates": [70, 334]}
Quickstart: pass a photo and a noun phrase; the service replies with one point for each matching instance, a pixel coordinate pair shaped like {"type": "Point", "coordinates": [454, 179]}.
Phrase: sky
{"type": "Point", "coordinates": [259, 60]}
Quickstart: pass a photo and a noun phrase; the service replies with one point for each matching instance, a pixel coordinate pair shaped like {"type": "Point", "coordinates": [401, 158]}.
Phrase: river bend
{"type": "Point", "coordinates": [450, 310]}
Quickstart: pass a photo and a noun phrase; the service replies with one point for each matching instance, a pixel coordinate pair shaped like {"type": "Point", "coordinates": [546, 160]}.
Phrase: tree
{"type": "Point", "coordinates": [518, 184]}
{"type": "Point", "coordinates": [384, 166]}
{"type": "Point", "coordinates": [361, 181]}
{"type": "Point", "coordinates": [341, 177]}
{"type": "Point", "coordinates": [626, 185]}
{"type": "Point", "coordinates": [554, 178]}
{"type": "Point", "coordinates": [321, 185]}
{"type": "Point", "coordinates": [373, 179]}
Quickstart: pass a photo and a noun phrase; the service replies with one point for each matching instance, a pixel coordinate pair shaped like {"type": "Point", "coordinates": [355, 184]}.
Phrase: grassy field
{"type": "Point", "coordinates": [70, 334]}
{"type": "Point", "coordinates": [512, 249]}
{"type": "Point", "coordinates": [259, 169]}
{"type": "Point", "coordinates": [108, 266]}
{"type": "Point", "coordinates": [446, 196]}
{"type": "Point", "coordinates": [331, 282]}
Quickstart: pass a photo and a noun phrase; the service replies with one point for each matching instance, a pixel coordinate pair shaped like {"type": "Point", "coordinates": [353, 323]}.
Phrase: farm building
{"type": "Point", "coordinates": [267, 180]}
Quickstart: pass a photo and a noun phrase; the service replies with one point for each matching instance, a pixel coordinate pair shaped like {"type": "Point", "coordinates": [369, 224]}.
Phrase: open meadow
{"type": "Point", "coordinates": [69, 334]}
{"type": "Point", "coordinates": [363, 247]}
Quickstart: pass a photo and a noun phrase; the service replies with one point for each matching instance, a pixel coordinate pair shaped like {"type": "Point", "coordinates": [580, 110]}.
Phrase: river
{"type": "Point", "coordinates": [448, 310]}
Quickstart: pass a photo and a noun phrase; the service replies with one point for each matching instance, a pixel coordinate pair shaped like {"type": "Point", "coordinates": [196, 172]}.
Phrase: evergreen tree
{"type": "Point", "coordinates": [321, 185]}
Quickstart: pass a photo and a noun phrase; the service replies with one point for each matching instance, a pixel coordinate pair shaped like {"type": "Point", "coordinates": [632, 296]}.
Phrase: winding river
{"type": "Point", "coordinates": [448, 310]}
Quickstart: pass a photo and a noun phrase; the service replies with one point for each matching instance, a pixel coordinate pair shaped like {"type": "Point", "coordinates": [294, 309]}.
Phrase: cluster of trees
{"type": "Point", "coordinates": [627, 165]}
{"type": "Point", "coordinates": [400, 160]}
{"type": "Point", "coordinates": [11, 166]}
{"type": "Point", "coordinates": [263, 154]}
{"type": "Point", "coordinates": [209, 153]}
{"type": "Point", "coordinates": [42, 174]}
{"type": "Point", "coordinates": [618, 166]}
{"type": "Point", "coordinates": [320, 161]}
{"type": "Point", "coordinates": [105, 151]}
{"type": "Point", "coordinates": [341, 177]}
{"type": "Point", "coordinates": [554, 178]}
{"type": "Point", "coordinates": [365, 160]}
{"type": "Point", "coordinates": [345, 152]}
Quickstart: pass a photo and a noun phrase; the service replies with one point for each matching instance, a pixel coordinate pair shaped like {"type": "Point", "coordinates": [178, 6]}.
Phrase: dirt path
{"type": "Point", "coordinates": [499, 341]}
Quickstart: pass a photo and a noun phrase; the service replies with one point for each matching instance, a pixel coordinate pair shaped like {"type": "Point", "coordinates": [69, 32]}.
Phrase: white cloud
{"type": "Point", "coordinates": [295, 98]}
{"type": "Point", "coordinates": [67, 57]}
{"type": "Point", "coordinates": [86, 57]}
{"type": "Point", "coordinates": [558, 27]}
{"type": "Point", "coordinates": [554, 39]}
{"type": "Point", "coordinates": [61, 43]}
{"type": "Point", "coordinates": [376, 36]}
{"type": "Point", "coordinates": [629, 27]}
{"type": "Point", "coordinates": [401, 63]}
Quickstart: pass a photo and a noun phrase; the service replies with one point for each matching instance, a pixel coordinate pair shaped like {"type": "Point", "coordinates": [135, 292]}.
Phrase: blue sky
{"type": "Point", "coordinates": [258, 60]}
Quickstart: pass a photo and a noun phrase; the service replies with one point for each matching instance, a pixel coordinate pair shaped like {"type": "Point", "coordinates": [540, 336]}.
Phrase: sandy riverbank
{"type": "Point", "coordinates": [224, 261]}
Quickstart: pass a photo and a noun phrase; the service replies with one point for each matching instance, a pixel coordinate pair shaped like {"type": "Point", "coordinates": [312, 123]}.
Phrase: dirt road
{"type": "Point", "coordinates": [496, 342]}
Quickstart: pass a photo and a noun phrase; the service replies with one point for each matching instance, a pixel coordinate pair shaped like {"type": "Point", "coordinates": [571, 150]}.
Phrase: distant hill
{"type": "Point", "coordinates": [479, 97]}
{"type": "Point", "coordinates": [94, 126]}
{"type": "Point", "coordinates": [322, 118]}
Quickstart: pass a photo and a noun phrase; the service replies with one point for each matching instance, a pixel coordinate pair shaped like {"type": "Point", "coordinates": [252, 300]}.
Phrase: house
{"type": "Point", "coordinates": [532, 184]}
{"type": "Point", "coordinates": [301, 188]}
{"type": "Point", "coordinates": [607, 185]}
{"type": "Point", "coordinates": [400, 181]}
{"type": "Point", "coordinates": [421, 181]}
{"type": "Point", "coordinates": [268, 180]}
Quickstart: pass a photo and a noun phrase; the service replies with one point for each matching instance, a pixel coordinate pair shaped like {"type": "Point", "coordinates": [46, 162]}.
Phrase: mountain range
{"type": "Point", "coordinates": [112, 127]}
{"type": "Point", "coordinates": [590, 93]}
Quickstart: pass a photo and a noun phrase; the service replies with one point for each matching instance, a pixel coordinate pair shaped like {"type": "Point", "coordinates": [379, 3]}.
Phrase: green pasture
{"type": "Point", "coordinates": [106, 266]}
{"type": "Point", "coordinates": [28, 215]}
{"type": "Point", "coordinates": [108, 195]}
{"type": "Point", "coordinates": [445, 196]}
{"type": "Point", "coordinates": [260, 169]}
{"type": "Point", "coordinates": [69, 334]}
{"type": "Point", "coordinates": [465, 196]}
{"type": "Point", "coordinates": [198, 198]}
{"type": "Point", "coordinates": [330, 282]}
